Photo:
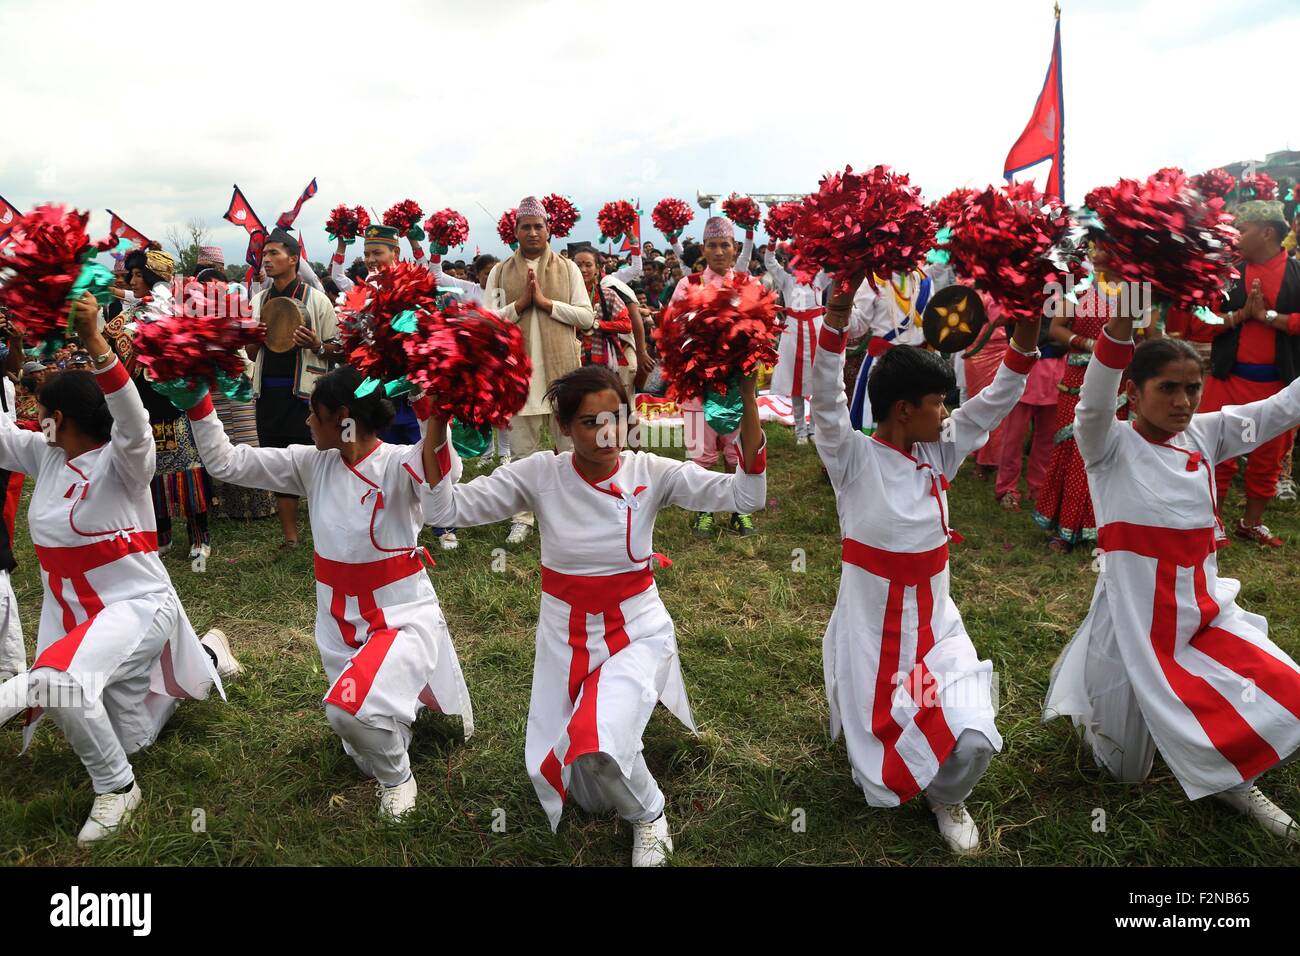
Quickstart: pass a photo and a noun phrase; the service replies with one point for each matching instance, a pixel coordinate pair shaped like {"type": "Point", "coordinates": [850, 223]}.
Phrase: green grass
{"type": "Point", "coordinates": [275, 787]}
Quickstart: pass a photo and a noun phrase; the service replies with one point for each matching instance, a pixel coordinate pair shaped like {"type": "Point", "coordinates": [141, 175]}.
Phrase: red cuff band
{"type": "Point", "coordinates": [202, 410]}
{"type": "Point", "coordinates": [760, 460]}
{"type": "Point", "coordinates": [112, 378]}
{"type": "Point", "coordinates": [1018, 362]}
{"type": "Point", "coordinates": [443, 457]}
{"type": "Point", "coordinates": [423, 407]}
{"type": "Point", "coordinates": [830, 340]}
{"type": "Point", "coordinates": [1113, 354]}
{"type": "Point", "coordinates": [419, 254]}
{"type": "Point", "coordinates": [337, 257]}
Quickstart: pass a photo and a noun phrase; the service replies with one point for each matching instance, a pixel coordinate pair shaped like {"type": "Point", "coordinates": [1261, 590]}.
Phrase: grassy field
{"type": "Point", "coordinates": [269, 782]}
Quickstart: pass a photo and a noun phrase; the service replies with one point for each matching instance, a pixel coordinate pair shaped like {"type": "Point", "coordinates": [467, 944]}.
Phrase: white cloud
{"type": "Point", "coordinates": [155, 113]}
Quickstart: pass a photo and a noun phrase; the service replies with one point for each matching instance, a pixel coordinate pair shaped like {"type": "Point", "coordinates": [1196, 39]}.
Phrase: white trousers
{"type": "Point", "coordinates": [125, 719]}
{"type": "Point", "coordinates": [1117, 732]}
{"type": "Point", "coordinates": [598, 786]}
{"type": "Point", "coordinates": [526, 438]}
{"type": "Point", "coordinates": [963, 768]}
{"type": "Point", "coordinates": [13, 655]}
{"type": "Point", "coordinates": [379, 752]}
{"type": "Point", "coordinates": [797, 408]}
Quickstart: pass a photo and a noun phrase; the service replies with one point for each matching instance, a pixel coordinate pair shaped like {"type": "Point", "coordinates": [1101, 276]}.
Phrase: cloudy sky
{"type": "Point", "coordinates": [156, 111]}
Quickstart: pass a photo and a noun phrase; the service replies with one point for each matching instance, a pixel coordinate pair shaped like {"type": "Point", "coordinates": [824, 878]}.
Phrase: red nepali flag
{"type": "Point", "coordinates": [287, 219]}
{"type": "Point", "coordinates": [123, 230]}
{"type": "Point", "coordinates": [1044, 137]}
{"type": "Point", "coordinates": [241, 214]}
{"type": "Point", "coordinates": [9, 214]}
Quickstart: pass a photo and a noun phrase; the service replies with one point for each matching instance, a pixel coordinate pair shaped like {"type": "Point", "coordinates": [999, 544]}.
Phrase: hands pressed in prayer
{"type": "Point", "coordinates": [537, 295]}
{"type": "Point", "coordinates": [525, 300]}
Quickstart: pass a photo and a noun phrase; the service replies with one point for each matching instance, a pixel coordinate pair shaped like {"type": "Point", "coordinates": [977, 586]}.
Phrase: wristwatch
{"type": "Point", "coordinates": [1270, 316]}
{"type": "Point", "coordinates": [102, 361]}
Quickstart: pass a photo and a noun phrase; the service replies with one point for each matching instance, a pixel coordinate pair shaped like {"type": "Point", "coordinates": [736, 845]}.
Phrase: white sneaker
{"type": "Point", "coordinates": [1264, 811]}
{"type": "Point", "coordinates": [396, 802]}
{"type": "Point", "coordinates": [956, 827]}
{"type": "Point", "coordinates": [448, 541]}
{"type": "Point", "coordinates": [651, 843]}
{"type": "Point", "coordinates": [110, 811]}
{"type": "Point", "coordinates": [163, 549]}
{"type": "Point", "coordinates": [518, 533]}
{"type": "Point", "coordinates": [506, 459]}
{"type": "Point", "coordinates": [801, 439]}
{"type": "Point", "coordinates": [1285, 489]}
{"type": "Point", "coordinates": [217, 642]}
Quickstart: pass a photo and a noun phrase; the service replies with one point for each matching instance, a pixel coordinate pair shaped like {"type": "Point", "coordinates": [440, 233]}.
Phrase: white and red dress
{"type": "Point", "coordinates": [1165, 656]}
{"type": "Point", "coordinates": [382, 638]}
{"type": "Point", "coordinates": [903, 678]}
{"type": "Point", "coordinates": [91, 520]}
{"type": "Point", "coordinates": [606, 647]}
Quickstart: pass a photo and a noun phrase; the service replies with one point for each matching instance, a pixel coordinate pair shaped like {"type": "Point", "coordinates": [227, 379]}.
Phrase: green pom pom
{"type": "Point", "coordinates": [398, 387]}
{"type": "Point", "coordinates": [405, 321]}
{"type": "Point", "coordinates": [366, 387]}
{"type": "Point", "coordinates": [937, 257]}
{"type": "Point", "coordinates": [943, 236]}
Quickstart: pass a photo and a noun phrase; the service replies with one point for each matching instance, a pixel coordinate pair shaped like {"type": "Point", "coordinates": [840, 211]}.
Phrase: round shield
{"type": "Point", "coordinates": [953, 318]}
{"type": "Point", "coordinates": [281, 316]}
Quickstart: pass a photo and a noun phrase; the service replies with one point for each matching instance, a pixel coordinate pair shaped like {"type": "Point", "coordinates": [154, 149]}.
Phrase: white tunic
{"type": "Point", "coordinates": [91, 520]}
{"type": "Point", "coordinates": [382, 638]}
{"type": "Point", "coordinates": [1221, 701]}
{"type": "Point", "coordinates": [803, 322]}
{"type": "Point", "coordinates": [606, 647]}
{"type": "Point", "coordinates": [902, 677]}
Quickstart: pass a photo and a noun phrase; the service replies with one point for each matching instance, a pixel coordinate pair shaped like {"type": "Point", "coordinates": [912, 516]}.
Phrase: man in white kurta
{"type": "Point", "coordinates": [383, 641]}
{"type": "Point", "coordinates": [891, 314]}
{"type": "Point", "coordinates": [792, 376]}
{"type": "Point", "coordinates": [904, 682]}
{"type": "Point", "coordinates": [1165, 658]}
{"type": "Point", "coordinates": [543, 293]}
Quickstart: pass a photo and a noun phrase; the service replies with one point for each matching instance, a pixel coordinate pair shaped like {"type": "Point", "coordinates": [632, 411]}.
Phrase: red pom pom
{"type": "Point", "coordinates": [472, 363]}
{"type": "Point", "coordinates": [670, 216]}
{"type": "Point", "coordinates": [405, 215]}
{"type": "Point", "coordinates": [713, 333]}
{"type": "Point", "coordinates": [871, 223]}
{"type": "Point", "coordinates": [951, 207]}
{"type": "Point", "coordinates": [1010, 242]}
{"type": "Point", "coordinates": [780, 221]}
{"type": "Point", "coordinates": [506, 227]}
{"type": "Point", "coordinates": [616, 219]}
{"type": "Point", "coordinates": [741, 210]}
{"type": "Point", "coordinates": [561, 215]}
{"type": "Point", "coordinates": [47, 248]}
{"type": "Point", "coordinates": [1164, 232]}
{"type": "Point", "coordinates": [346, 222]}
{"type": "Point", "coordinates": [199, 336]}
{"type": "Point", "coordinates": [1214, 182]}
{"type": "Point", "coordinates": [1259, 186]}
{"type": "Point", "coordinates": [447, 228]}
{"type": "Point", "coordinates": [367, 312]}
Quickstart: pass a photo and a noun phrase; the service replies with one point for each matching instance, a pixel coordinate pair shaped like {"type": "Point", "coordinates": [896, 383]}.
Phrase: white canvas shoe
{"type": "Point", "coordinates": [651, 843]}
{"type": "Point", "coordinates": [519, 533]}
{"type": "Point", "coordinates": [448, 541]}
{"type": "Point", "coordinates": [109, 812]}
{"type": "Point", "coordinates": [1263, 811]}
{"type": "Point", "coordinates": [396, 802]}
{"type": "Point", "coordinates": [801, 439]}
{"type": "Point", "coordinates": [217, 642]}
{"type": "Point", "coordinates": [956, 827]}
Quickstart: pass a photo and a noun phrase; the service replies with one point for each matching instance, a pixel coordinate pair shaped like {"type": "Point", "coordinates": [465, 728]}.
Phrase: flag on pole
{"type": "Point", "coordinates": [287, 219]}
{"type": "Point", "coordinates": [9, 214]}
{"type": "Point", "coordinates": [633, 238]}
{"type": "Point", "coordinates": [1044, 136]}
{"type": "Point", "coordinates": [241, 214]}
{"type": "Point", "coordinates": [121, 229]}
